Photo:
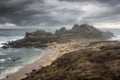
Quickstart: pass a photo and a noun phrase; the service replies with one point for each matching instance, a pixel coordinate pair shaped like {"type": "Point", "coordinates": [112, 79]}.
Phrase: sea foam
{"type": "Point", "coordinates": [6, 39]}
{"type": "Point", "coordinates": [9, 71]}
{"type": "Point", "coordinates": [117, 38]}
{"type": "Point", "coordinates": [4, 60]}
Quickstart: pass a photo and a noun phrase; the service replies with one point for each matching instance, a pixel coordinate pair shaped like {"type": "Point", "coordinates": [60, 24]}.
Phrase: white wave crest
{"type": "Point", "coordinates": [116, 38]}
{"type": "Point", "coordinates": [9, 71]}
{"type": "Point", "coordinates": [6, 39]}
{"type": "Point", "coordinates": [3, 60]}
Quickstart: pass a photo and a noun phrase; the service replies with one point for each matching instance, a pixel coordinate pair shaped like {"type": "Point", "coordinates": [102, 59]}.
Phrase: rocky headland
{"type": "Point", "coordinates": [41, 38]}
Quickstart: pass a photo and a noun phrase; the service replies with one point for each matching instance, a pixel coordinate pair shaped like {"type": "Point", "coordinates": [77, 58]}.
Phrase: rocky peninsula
{"type": "Point", "coordinates": [82, 53]}
{"type": "Point", "coordinates": [41, 38]}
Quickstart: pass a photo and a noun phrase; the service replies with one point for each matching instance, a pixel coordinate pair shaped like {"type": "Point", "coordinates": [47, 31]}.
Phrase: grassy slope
{"type": "Point", "coordinates": [85, 64]}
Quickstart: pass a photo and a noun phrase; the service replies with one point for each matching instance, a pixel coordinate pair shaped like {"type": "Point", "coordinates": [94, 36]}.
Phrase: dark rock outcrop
{"type": "Point", "coordinates": [62, 31]}
{"type": "Point", "coordinates": [36, 39]}
{"type": "Point", "coordinates": [108, 35]}
{"type": "Point", "coordinates": [38, 33]}
{"type": "Point", "coordinates": [84, 31]}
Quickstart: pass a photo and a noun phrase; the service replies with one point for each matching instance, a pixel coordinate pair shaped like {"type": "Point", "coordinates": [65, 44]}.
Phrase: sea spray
{"type": "Point", "coordinates": [117, 38]}
{"type": "Point", "coordinates": [4, 39]}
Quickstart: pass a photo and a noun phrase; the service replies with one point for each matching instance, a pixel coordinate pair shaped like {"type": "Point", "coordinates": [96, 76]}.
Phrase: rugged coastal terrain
{"type": "Point", "coordinates": [83, 53]}
{"type": "Point", "coordinates": [41, 38]}
{"type": "Point", "coordinates": [97, 61]}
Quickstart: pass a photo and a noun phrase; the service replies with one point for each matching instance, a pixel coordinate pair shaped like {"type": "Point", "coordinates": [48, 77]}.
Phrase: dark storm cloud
{"type": "Point", "coordinates": [34, 12]}
{"type": "Point", "coordinates": [112, 2]}
{"type": "Point", "coordinates": [112, 13]}
{"type": "Point", "coordinates": [14, 11]}
{"type": "Point", "coordinates": [58, 12]}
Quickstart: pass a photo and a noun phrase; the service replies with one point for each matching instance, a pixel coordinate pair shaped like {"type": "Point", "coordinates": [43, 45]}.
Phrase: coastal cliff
{"type": "Point", "coordinates": [41, 38]}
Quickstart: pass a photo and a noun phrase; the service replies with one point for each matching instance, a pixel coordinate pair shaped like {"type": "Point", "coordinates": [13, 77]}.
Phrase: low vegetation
{"type": "Point", "coordinates": [84, 64]}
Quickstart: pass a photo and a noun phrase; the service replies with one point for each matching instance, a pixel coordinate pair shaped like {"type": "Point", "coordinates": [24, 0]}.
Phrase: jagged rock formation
{"type": "Point", "coordinates": [62, 31]}
{"type": "Point", "coordinates": [40, 38]}
{"type": "Point", "coordinates": [108, 35]}
{"type": "Point", "coordinates": [84, 31]}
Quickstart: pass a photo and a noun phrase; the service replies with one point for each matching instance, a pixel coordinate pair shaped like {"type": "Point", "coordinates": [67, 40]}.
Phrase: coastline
{"type": "Point", "coordinates": [58, 48]}
{"type": "Point", "coordinates": [78, 51]}
{"type": "Point", "coordinates": [93, 60]}
{"type": "Point", "coordinates": [42, 62]}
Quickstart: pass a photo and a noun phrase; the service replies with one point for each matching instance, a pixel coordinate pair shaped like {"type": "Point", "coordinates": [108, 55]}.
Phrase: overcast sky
{"type": "Point", "coordinates": [58, 13]}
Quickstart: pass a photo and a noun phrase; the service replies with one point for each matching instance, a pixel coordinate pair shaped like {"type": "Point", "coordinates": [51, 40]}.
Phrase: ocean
{"type": "Point", "coordinates": [11, 60]}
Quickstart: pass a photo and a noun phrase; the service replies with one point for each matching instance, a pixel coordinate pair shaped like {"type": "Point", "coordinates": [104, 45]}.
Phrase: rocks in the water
{"type": "Point", "coordinates": [16, 59]}
{"type": "Point", "coordinates": [4, 47]}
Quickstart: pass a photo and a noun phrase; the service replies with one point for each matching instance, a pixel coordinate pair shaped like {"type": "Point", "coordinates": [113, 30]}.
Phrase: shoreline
{"type": "Point", "coordinates": [84, 40]}
{"type": "Point", "coordinates": [42, 62]}
{"type": "Point", "coordinates": [58, 48]}
{"type": "Point", "coordinates": [98, 60]}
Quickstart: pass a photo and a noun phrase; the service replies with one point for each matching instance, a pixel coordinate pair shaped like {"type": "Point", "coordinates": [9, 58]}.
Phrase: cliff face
{"type": "Point", "coordinates": [85, 31]}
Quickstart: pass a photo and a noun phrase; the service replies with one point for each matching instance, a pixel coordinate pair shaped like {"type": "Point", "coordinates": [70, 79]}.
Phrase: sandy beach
{"type": "Point", "coordinates": [58, 50]}
{"type": "Point", "coordinates": [45, 60]}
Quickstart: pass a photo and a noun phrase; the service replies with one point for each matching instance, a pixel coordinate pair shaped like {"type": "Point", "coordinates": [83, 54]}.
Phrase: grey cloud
{"type": "Point", "coordinates": [14, 11]}
{"type": "Point", "coordinates": [32, 13]}
{"type": "Point", "coordinates": [112, 14]}
{"type": "Point", "coordinates": [109, 2]}
{"type": "Point", "coordinates": [42, 12]}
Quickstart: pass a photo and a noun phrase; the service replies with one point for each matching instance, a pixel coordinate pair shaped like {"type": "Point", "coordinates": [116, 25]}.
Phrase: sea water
{"type": "Point", "coordinates": [12, 59]}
